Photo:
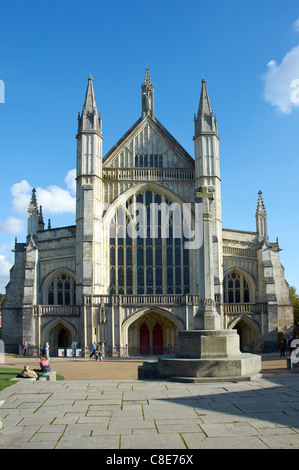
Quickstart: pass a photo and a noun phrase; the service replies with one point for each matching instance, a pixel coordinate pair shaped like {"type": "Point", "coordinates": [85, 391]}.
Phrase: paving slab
{"type": "Point", "coordinates": [117, 413]}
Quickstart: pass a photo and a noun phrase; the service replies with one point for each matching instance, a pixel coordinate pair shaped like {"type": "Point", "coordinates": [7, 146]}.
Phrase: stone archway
{"type": "Point", "coordinates": [249, 333]}
{"type": "Point", "coordinates": [152, 334]}
{"type": "Point", "coordinates": [60, 337]}
{"type": "Point", "coordinates": [59, 334]}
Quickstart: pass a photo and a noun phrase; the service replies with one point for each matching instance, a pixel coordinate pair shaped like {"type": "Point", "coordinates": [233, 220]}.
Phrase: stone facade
{"type": "Point", "coordinates": [92, 282]}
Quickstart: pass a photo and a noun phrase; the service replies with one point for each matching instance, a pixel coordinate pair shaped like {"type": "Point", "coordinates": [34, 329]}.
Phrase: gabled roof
{"type": "Point", "coordinates": [160, 129]}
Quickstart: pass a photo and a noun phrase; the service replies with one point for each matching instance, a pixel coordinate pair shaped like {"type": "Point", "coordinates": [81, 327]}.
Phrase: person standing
{"type": "Point", "coordinates": [282, 347]}
{"type": "Point", "coordinates": [46, 351]}
{"type": "Point", "coordinates": [25, 348]}
{"type": "Point", "coordinates": [98, 353]}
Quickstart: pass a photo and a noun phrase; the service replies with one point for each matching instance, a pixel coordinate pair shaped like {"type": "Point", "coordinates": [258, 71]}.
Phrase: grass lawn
{"type": "Point", "coordinates": [7, 373]}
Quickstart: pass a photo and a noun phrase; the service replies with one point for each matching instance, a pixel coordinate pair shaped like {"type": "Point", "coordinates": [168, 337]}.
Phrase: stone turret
{"type": "Point", "coordinates": [147, 89]}
{"type": "Point", "coordinates": [261, 218]}
{"type": "Point", "coordinates": [88, 196]}
{"type": "Point", "coordinates": [89, 119]}
{"type": "Point", "coordinates": [207, 175]}
{"type": "Point", "coordinates": [32, 215]}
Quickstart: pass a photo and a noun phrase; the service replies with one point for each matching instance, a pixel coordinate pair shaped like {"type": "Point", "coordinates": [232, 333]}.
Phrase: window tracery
{"type": "Point", "coordinates": [236, 289]}
{"type": "Point", "coordinates": [62, 290]}
{"type": "Point", "coordinates": [152, 264]}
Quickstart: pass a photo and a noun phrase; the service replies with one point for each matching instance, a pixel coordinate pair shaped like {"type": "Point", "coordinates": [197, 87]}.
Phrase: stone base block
{"type": "Point", "coordinates": [208, 344]}
{"type": "Point", "coordinates": [243, 366]}
{"type": "Point", "coordinates": [48, 376]}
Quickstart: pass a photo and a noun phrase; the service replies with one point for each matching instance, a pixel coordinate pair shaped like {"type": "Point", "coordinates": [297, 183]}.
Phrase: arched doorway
{"type": "Point", "coordinates": [59, 337]}
{"type": "Point", "coordinates": [152, 334]}
{"type": "Point", "coordinates": [249, 333]}
{"type": "Point", "coordinates": [63, 338]}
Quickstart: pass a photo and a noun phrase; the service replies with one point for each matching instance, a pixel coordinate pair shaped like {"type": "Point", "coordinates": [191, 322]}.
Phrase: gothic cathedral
{"type": "Point", "coordinates": [136, 268]}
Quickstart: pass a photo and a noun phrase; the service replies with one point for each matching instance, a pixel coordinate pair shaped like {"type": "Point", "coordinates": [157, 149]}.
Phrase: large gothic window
{"type": "Point", "coordinates": [152, 264]}
{"type": "Point", "coordinates": [235, 289]}
{"type": "Point", "coordinates": [62, 290]}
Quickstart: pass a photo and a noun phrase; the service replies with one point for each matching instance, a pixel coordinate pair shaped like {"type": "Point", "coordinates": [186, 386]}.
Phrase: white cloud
{"type": "Point", "coordinates": [70, 181]}
{"type": "Point", "coordinates": [12, 225]}
{"type": "Point", "coordinates": [296, 26]}
{"type": "Point", "coordinates": [53, 199]}
{"type": "Point", "coordinates": [21, 193]}
{"type": "Point", "coordinates": [5, 265]}
{"type": "Point", "coordinates": [281, 87]}
{"type": "Point", "coordinates": [6, 262]}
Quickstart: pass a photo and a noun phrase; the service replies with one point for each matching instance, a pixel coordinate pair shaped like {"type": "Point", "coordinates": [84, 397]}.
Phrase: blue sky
{"type": "Point", "coordinates": [247, 51]}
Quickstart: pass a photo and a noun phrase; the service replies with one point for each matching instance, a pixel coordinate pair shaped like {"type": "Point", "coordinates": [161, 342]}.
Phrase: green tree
{"type": "Point", "coordinates": [2, 297]}
{"type": "Point", "coordinates": [295, 299]}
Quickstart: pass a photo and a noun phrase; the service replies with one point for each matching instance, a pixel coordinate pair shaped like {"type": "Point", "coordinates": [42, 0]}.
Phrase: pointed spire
{"type": "Point", "coordinates": [49, 224]}
{"type": "Point", "coordinates": [90, 101]}
{"type": "Point", "coordinates": [32, 214]}
{"type": "Point", "coordinates": [147, 80]}
{"type": "Point", "coordinates": [41, 224]}
{"type": "Point", "coordinates": [205, 122]}
{"type": "Point", "coordinates": [260, 204]}
{"type": "Point", "coordinates": [89, 119]}
{"type": "Point", "coordinates": [147, 89]}
{"type": "Point", "coordinates": [261, 217]}
{"type": "Point", "coordinates": [33, 203]}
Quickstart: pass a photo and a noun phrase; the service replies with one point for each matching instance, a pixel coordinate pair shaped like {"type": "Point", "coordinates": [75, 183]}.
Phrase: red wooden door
{"type": "Point", "coordinates": [144, 340]}
{"type": "Point", "coordinates": [158, 339]}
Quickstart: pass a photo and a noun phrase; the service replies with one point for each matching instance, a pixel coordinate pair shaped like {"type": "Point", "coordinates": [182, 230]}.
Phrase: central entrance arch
{"type": "Point", "coordinates": [152, 332]}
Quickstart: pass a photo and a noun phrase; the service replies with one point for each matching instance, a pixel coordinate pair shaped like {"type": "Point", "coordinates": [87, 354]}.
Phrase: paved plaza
{"type": "Point", "coordinates": [114, 413]}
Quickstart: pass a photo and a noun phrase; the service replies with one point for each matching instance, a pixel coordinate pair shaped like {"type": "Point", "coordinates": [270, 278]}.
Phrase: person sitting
{"type": "Point", "coordinates": [44, 365]}
{"type": "Point", "coordinates": [27, 373]}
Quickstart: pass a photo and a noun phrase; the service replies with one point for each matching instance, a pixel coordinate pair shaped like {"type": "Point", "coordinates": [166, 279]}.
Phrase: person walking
{"type": "Point", "coordinates": [93, 349]}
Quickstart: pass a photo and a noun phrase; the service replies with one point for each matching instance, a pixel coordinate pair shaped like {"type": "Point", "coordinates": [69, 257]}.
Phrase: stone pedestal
{"type": "Point", "coordinates": [209, 355]}
{"type": "Point", "coordinates": [205, 344]}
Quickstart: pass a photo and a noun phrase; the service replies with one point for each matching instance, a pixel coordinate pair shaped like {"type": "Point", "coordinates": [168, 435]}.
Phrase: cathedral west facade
{"type": "Point", "coordinates": [134, 290]}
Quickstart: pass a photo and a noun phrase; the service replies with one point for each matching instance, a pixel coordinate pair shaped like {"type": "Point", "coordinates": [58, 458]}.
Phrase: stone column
{"type": "Point", "coordinates": [207, 317]}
